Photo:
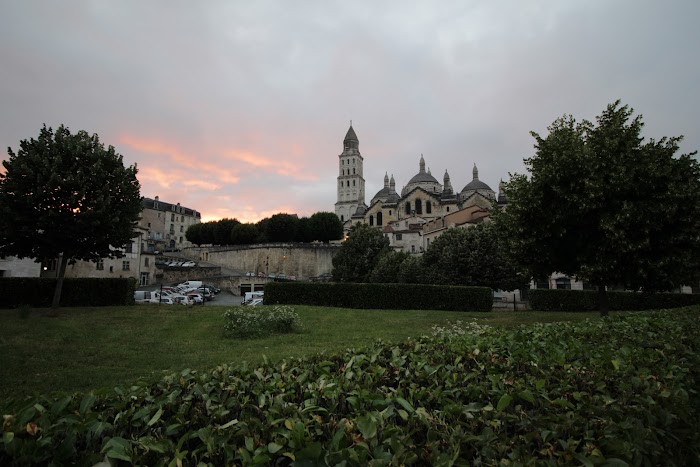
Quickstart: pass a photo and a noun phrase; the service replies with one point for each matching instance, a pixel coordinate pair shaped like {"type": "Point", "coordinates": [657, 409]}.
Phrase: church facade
{"type": "Point", "coordinates": [416, 215]}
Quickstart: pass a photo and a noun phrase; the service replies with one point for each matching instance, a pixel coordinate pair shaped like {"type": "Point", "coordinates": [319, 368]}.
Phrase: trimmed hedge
{"type": "Point", "coordinates": [587, 300]}
{"type": "Point", "coordinates": [380, 296]}
{"type": "Point", "coordinates": [38, 292]}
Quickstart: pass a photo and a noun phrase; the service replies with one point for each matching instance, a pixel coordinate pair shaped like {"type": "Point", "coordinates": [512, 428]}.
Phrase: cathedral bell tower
{"type": "Point", "coordinates": [350, 182]}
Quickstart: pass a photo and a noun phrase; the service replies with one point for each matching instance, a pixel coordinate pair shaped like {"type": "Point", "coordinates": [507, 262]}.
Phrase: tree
{"type": "Point", "coordinates": [359, 254]}
{"type": "Point", "coordinates": [326, 226]}
{"type": "Point", "coordinates": [282, 227]}
{"type": "Point", "coordinates": [603, 206]}
{"type": "Point", "coordinates": [304, 234]}
{"type": "Point", "coordinates": [65, 196]}
{"type": "Point", "coordinates": [475, 256]}
{"type": "Point", "coordinates": [244, 234]}
{"type": "Point", "coordinates": [222, 231]}
{"type": "Point", "coordinates": [195, 234]}
{"type": "Point", "coordinates": [388, 267]}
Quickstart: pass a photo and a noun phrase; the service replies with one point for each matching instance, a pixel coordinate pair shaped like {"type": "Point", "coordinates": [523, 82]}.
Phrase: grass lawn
{"type": "Point", "coordinates": [90, 348]}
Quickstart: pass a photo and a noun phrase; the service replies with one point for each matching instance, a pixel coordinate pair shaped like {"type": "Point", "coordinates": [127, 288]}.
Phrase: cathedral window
{"type": "Point", "coordinates": [408, 207]}
{"type": "Point", "coordinates": [379, 218]}
{"type": "Point", "coordinates": [371, 220]}
{"type": "Point", "coordinates": [419, 206]}
{"type": "Point", "coordinates": [353, 183]}
{"type": "Point", "coordinates": [390, 212]}
{"type": "Point", "coordinates": [342, 218]}
{"type": "Point", "coordinates": [347, 183]}
{"type": "Point", "coordinates": [353, 171]}
{"type": "Point", "coordinates": [428, 207]}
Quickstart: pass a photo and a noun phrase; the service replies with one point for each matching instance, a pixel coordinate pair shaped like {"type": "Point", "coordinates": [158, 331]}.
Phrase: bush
{"type": "Point", "coordinates": [615, 391]}
{"type": "Point", "coordinates": [381, 296]}
{"type": "Point", "coordinates": [248, 322]}
{"type": "Point", "coordinates": [38, 291]}
{"type": "Point", "coordinates": [587, 300]}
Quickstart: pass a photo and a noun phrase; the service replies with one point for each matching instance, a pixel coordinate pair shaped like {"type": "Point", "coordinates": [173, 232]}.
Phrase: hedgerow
{"type": "Point", "coordinates": [619, 390]}
{"type": "Point", "coordinates": [587, 300]}
{"type": "Point", "coordinates": [380, 296]}
{"type": "Point", "coordinates": [85, 291]}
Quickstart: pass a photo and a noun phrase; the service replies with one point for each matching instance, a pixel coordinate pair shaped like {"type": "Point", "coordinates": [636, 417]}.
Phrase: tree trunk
{"type": "Point", "coordinates": [602, 301]}
{"type": "Point", "coordinates": [62, 261]}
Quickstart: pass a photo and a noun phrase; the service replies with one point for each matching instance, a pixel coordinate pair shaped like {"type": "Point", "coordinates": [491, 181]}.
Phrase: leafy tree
{"type": "Point", "coordinates": [65, 196]}
{"type": "Point", "coordinates": [603, 206]}
{"type": "Point", "coordinates": [195, 234]}
{"type": "Point", "coordinates": [304, 234]}
{"type": "Point", "coordinates": [412, 271]}
{"type": "Point", "coordinates": [326, 226]}
{"type": "Point", "coordinates": [388, 267]}
{"type": "Point", "coordinates": [222, 231]}
{"type": "Point", "coordinates": [244, 234]}
{"type": "Point", "coordinates": [474, 256]}
{"type": "Point", "coordinates": [282, 227]}
{"type": "Point", "coordinates": [359, 254]}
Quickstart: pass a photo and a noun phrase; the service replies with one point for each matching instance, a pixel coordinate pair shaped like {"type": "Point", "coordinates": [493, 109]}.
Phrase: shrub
{"type": "Point", "coordinates": [587, 300]}
{"type": "Point", "coordinates": [248, 322]}
{"type": "Point", "coordinates": [381, 296]}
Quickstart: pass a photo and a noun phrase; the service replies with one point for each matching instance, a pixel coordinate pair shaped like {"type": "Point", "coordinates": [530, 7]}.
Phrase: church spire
{"type": "Point", "coordinates": [392, 183]}
{"type": "Point", "coordinates": [351, 141]}
{"type": "Point", "coordinates": [475, 172]}
{"type": "Point", "coordinates": [386, 180]}
{"type": "Point", "coordinates": [422, 164]}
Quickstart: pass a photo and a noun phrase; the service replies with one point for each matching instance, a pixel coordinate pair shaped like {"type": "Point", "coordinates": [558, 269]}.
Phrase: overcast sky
{"type": "Point", "coordinates": [239, 108]}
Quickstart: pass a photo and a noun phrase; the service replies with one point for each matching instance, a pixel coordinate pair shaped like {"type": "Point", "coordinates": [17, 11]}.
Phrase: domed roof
{"type": "Point", "coordinates": [423, 180]}
{"type": "Point", "coordinates": [476, 184]}
{"type": "Point", "coordinates": [387, 193]}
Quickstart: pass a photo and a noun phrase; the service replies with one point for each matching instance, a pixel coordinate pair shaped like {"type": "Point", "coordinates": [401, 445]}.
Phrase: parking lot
{"type": "Point", "coordinates": [223, 298]}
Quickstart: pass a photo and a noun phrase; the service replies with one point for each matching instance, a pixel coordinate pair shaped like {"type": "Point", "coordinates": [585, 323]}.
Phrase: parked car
{"type": "Point", "coordinates": [262, 274]}
{"type": "Point", "coordinates": [182, 299]}
{"type": "Point", "coordinates": [281, 276]}
{"type": "Point", "coordinates": [212, 288]}
{"type": "Point", "coordinates": [250, 274]}
{"type": "Point", "coordinates": [272, 275]}
{"type": "Point", "coordinates": [254, 302]}
{"type": "Point", "coordinates": [188, 264]}
{"type": "Point", "coordinates": [167, 301]}
{"type": "Point", "coordinates": [207, 292]}
{"type": "Point", "coordinates": [198, 299]}
{"type": "Point", "coordinates": [146, 296]}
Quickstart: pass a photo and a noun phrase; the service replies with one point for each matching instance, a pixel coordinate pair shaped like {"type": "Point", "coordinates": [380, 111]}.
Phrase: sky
{"type": "Point", "coordinates": [238, 109]}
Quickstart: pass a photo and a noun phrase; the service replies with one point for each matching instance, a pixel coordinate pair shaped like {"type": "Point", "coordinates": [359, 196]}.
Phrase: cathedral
{"type": "Point", "coordinates": [423, 200]}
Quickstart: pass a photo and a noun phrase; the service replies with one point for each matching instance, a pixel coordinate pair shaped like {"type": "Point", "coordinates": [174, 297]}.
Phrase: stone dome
{"type": "Point", "coordinates": [423, 180]}
{"type": "Point", "coordinates": [476, 186]}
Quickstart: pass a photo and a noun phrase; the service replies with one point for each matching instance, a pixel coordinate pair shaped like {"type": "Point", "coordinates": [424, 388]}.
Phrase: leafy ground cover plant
{"type": "Point", "coordinates": [249, 322]}
{"type": "Point", "coordinates": [615, 391]}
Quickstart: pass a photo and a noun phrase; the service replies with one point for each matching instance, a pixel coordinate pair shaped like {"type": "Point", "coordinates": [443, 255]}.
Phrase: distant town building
{"type": "Point", "coordinates": [166, 224]}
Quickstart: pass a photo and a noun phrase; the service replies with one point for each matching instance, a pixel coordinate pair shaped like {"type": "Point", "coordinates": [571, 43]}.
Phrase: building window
{"type": "Point", "coordinates": [342, 218]}
{"type": "Point", "coordinates": [408, 208]}
{"type": "Point", "coordinates": [172, 228]}
{"type": "Point", "coordinates": [353, 183]}
{"type": "Point", "coordinates": [563, 283]}
{"type": "Point", "coordinates": [172, 217]}
{"type": "Point", "coordinates": [399, 237]}
{"type": "Point", "coordinates": [125, 265]}
{"type": "Point", "coordinates": [183, 218]}
{"type": "Point", "coordinates": [419, 206]}
{"type": "Point", "coordinates": [145, 261]}
{"type": "Point", "coordinates": [353, 171]}
{"type": "Point", "coordinates": [448, 209]}
{"type": "Point", "coordinates": [347, 183]}
{"type": "Point", "coordinates": [180, 239]}
{"type": "Point", "coordinates": [390, 212]}
{"type": "Point", "coordinates": [371, 220]}
{"type": "Point", "coordinates": [428, 207]}
{"type": "Point", "coordinates": [149, 225]}
{"type": "Point", "coordinates": [413, 248]}
{"type": "Point", "coordinates": [379, 218]}
{"type": "Point", "coordinates": [129, 248]}
{"type": "Point", "coordinates": [182, 227]}
{"type": "Point", "coordinates": [100, 265]}
{"type": "Point", "coordinates": [542, 284]}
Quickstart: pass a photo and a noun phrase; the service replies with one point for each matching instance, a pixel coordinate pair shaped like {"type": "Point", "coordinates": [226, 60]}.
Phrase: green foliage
{"type": "Point", "coordinates": [359, 254]}
{"type": "Point", "coordinates": [474, 256]}
{"type": "Point", "coordinates": [604, 392]}
{"type": "Point", "coordinates": [65, 196]}
{"type": "Point", "coordinates": [380, 296]}
{"type": "Point", "coordinates": [65, 193]}
{"type": "Point", "coordinates": [587, 300]}
{"type": "Point", "coordinates": [249, 322]}
{"type": "Point", "coordinates": [326, 226]}
{"type": "Point", "coordinates": [244, 234]}
{"type": "Point", "coordinates": [603, 206]}
{"type": "Point", "coordinates": [281, 228]}
{"type": "Point", "coordinates": [195, 234]}
{"type": "Point", "coordinates": [38, 292]}
{"type": "Point", "coordinates": [388, 267]}
{"type": "Point", "coordinates": [222, 231]}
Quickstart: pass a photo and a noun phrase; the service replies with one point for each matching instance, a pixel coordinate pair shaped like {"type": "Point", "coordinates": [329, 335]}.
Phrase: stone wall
{"type": "Point", "coordinates": [302, 260]}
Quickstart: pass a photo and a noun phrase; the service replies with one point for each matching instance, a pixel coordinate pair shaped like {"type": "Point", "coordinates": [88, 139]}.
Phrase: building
{"type": "Point", "coordinates": [166, 224]}
{"type": "Point", "coordinates": [419, 214]}
{"type": "Point", "coordinates": [15, 267]}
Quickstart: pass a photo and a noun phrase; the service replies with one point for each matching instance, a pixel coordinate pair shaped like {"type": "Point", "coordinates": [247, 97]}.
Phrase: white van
{"type": "Point", "coordinates": [250, 296]}
{"type": "Point", "coordinates": [146, 296]}
{"type": "Point", "coordinates": [192, 284]}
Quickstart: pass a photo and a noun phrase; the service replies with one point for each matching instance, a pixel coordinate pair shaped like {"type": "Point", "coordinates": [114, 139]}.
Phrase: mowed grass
{"type": "Point", "coordinates": [90, 348]}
